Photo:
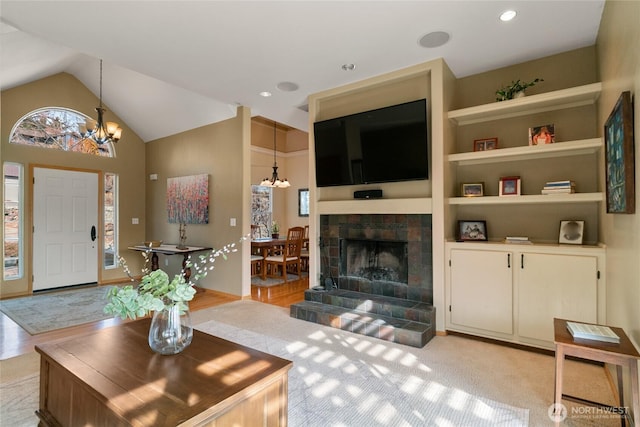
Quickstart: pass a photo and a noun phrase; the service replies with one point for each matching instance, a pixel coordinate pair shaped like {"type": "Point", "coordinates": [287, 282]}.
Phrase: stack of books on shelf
{"type": "Point", "coordinates": [521, 240]}
{"type": "Point", "coordinates": [559, 187]}
{"type": "Point", "coordinates": [592, 332]}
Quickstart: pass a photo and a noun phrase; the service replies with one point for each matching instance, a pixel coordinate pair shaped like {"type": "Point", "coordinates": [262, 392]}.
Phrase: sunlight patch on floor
{"type": "Point", "coordinates": [434, 391]}
{"type": "Point", "coordinates": [326, 388]}
{"type": "Point", "coordinates": [386, 414]}
{"type": "Point", "coordinates": [482, 410]}
{"type": "Point", "coordinates": [412, 384]}
{"type": "Point", "coordinates": [458, 399]}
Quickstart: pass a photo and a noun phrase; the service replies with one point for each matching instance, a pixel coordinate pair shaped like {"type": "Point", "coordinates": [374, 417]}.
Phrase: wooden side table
{"type": "Point", "coordinates": [622, 354]}
{"type": "Point", "coordinates": [170, 249]}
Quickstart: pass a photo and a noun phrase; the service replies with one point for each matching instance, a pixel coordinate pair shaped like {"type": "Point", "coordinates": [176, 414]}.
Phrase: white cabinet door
{"type": "Point", "coordinates": [563, 286]}
{"type": "Point", "coordinates": [481, 290]}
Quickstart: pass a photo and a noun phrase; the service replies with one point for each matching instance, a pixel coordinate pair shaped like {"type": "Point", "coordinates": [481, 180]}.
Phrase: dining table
{"type": "Point", "coordinates": [266, 246]}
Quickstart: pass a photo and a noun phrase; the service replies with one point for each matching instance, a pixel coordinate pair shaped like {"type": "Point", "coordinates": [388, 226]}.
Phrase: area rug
{"type": "Point", "coordinates": [57, 310]}
{"type": "Point", "coordinates": [273, 281]}
{"type": "Point", "coordinates": [342, 379]}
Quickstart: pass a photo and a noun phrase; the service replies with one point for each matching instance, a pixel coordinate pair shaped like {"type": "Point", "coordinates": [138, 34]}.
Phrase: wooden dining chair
{"type": "Point", "coordinates": [256, 265]}
{"type": "Point", "coordinates": [276, 265]}
{"type": "Point", "coordinates": [304, 253]}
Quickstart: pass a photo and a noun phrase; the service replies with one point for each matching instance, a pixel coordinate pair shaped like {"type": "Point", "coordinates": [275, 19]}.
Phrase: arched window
{"type": "Point", "coordinates": [58, 128]}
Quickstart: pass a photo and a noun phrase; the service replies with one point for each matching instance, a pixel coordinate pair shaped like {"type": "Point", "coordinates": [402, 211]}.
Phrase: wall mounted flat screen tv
{"type": "Point", "coordinates": [384, 145]}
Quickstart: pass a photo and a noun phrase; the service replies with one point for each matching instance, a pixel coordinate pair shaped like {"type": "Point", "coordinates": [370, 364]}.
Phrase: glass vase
{"type": "Point", "coordinates": [171, 331]}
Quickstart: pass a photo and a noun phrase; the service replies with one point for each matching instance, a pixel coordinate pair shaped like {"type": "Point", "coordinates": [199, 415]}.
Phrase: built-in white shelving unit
{"type": "Point", "coordinates": [512, 292]}
{"type": "Point", "coordinates": [569, 148]}
{"type": "Point", "coordinates": [529, 199]}
{"type": "Point", "coordinates": [557, 100]}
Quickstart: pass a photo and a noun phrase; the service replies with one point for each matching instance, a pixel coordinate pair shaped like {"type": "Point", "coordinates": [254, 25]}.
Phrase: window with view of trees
{"type": "Point", "coordinates": [12, 244]}
{"type": "Point", "coordinates": [58, 128]}
{"type": "Point", "coordinates": [261, 211]}
{"type": "Point", "coordinates": [110, 220]}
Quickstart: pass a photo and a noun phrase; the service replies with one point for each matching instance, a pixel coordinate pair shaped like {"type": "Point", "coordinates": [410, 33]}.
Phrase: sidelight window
{"type": "Point", "coordinates": [13, 221]}
{"type": "Point", "coordinates": [110, 220]}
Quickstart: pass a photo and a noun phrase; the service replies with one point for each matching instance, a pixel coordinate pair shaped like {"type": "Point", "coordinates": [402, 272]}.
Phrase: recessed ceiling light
{"type": "Point", "coordinates": [349, 67]}
{"type": "Point", "coordinates": [434, 39]}
{"type": "Point", "coordinates": [508, 15]}
{"type": "Point", "coordinates": [287, 86]}
{"type": "Point", "coordinates": [266, 94]}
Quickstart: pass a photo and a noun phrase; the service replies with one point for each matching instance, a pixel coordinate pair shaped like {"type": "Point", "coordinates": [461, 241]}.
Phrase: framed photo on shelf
{"type": "Point", "coordinates": [485, 144]}
{"type": "Point", "coordinates": [571, 232]}
{"type": "Point", "coordinates": [542, 135]}
{"type": "Point", "coordinates": [509, 186]}
{"type": "Point", "coordinates": [472, 189]}
{"type": "Point", "coordinates": [472, 231]}
{"type": "Point", "coordinates": [620, 162]}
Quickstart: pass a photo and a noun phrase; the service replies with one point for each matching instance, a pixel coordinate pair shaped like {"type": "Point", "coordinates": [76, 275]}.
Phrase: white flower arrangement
{"type": "Point", "coordinates": [155, 291]}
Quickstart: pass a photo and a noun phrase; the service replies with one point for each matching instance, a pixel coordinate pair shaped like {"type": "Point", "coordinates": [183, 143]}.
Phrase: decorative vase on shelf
{"type": "Point", "coordinates": [171, 331]}
{"type": "Point", "coordinates": [518, 94]}
{"type": "Point", "coordinates": [275, 235]}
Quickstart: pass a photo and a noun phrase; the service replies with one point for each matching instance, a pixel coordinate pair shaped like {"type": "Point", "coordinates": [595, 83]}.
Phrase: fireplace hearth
{"type": "Point", "coordinates": [384, 270]}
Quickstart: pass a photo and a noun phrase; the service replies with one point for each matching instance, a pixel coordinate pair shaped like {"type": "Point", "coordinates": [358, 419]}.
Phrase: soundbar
{"type": "Point", "coordinates": [367, 194]}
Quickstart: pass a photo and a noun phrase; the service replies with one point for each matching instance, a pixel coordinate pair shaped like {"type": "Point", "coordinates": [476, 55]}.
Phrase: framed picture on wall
{"type": "Point", "coordinates": [619, 155]}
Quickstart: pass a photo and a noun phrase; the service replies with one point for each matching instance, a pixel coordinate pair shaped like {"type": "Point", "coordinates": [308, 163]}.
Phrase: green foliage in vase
{"type": "Point", "coordinates": [516, 86]}
{"type": "Point", "coordinates": [155, 291]}
{"type": "Point", "coordinates": [275, 228]}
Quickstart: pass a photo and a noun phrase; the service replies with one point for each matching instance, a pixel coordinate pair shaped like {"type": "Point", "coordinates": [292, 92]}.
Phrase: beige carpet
{"type": "Point", "coordinates": [19, 390]}
{"type": "Point", "coordinates": [458, 374]}
{"type": "Point", "coordinates": [343, 379]}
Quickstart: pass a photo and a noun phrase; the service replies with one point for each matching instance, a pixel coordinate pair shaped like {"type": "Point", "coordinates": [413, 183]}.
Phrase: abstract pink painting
{"type": "Point", "coordinates": [188, 199]}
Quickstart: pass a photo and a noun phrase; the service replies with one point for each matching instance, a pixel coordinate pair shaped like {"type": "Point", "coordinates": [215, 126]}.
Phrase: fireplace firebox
{"type": "Point", "coordinates": [374, 260]}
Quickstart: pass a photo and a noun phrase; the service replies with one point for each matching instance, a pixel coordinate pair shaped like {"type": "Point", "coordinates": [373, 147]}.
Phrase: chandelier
{"type": "Point", "coordinates": [103, 131]}
{"type": "Point", "coordinates": [275, 180]}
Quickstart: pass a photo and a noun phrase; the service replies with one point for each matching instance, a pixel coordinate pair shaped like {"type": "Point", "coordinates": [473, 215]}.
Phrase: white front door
{"type": "Point", "coordinates": [65, 220]}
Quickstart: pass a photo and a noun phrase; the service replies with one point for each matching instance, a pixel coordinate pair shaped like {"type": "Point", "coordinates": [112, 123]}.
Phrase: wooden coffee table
{"type": "Point", "coordinates": [111, 377]}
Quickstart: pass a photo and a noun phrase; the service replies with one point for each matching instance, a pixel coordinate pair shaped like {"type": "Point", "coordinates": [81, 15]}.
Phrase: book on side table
{"type": "Point", "coordinates": [592, 332]}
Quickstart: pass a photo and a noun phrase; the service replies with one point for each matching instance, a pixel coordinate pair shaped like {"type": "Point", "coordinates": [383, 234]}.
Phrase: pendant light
{"type": "Point", "coordinates": [275, 181]}
{"type": "Point", "coordinates": [103, 131]}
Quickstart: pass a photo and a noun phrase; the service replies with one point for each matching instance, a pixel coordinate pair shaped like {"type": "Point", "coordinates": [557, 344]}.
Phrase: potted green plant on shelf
{"type": "Point", "coordinates": [515, 89]}
{"type": "Point", "coordinates": [275, 230]}
{"type": "Point", "coordinates": [168, 299]}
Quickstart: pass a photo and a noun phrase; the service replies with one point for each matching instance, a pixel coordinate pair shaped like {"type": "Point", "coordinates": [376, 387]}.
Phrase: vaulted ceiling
{"type": "Point", "coordinates": [170, 66]}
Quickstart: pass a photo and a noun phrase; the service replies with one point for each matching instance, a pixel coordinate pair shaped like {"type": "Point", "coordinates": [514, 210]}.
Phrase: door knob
{"type": "Point", "coordinates": [93, 233]}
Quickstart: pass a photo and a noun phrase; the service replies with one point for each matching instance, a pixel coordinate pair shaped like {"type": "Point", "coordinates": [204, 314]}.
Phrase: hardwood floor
{"type": "Point", "coordinates": [16, 341]}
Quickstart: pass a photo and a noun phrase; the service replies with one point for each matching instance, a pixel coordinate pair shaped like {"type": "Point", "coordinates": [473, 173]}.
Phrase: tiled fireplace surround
{"type": "Point", "coordinates": [415, 229]}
